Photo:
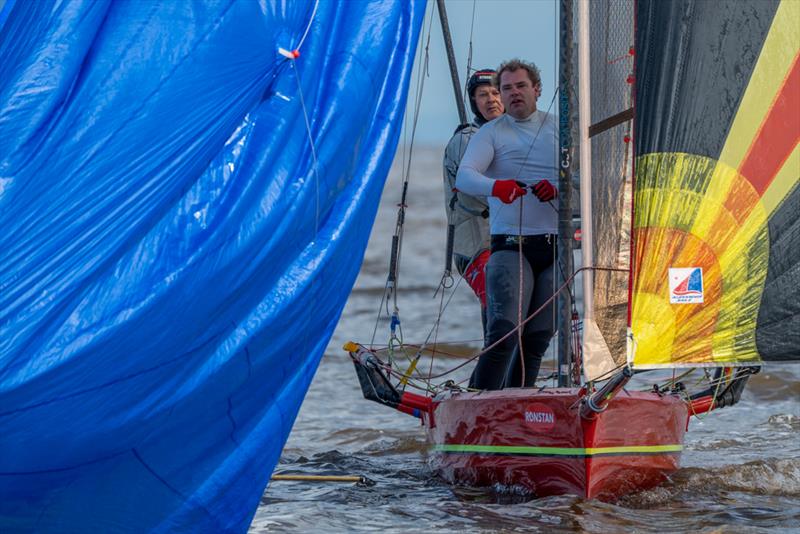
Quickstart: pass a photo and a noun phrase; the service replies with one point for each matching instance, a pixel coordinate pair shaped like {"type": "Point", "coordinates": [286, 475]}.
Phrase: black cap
{"type": "Point", "coordinates": [481, 77]}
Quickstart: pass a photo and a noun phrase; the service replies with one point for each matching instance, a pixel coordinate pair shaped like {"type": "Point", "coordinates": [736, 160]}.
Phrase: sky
{"type": "Point", "coordinates": [502, 29]}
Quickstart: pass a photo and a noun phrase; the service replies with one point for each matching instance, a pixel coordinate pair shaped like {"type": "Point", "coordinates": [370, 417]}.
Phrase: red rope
{"type": "Point", "coordinates": [518, 327]}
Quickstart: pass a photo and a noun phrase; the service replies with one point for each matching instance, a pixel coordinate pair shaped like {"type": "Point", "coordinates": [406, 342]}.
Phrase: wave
{"type": "Point", "coordinates": [776, 477]}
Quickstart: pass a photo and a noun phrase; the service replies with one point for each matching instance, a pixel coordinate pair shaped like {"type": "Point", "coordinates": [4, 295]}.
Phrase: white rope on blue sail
{"type": "Point", "coordinates": [292, 56]}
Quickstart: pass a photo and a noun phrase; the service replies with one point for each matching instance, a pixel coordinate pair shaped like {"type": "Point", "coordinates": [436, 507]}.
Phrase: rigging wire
{"type": "Point", "coordinates": [443, 304]}
{"type": "Point", "coordinates": [520, 254]}
{"type": "Point", "coordinates": [574, 345]}
{"type": "Point", "coordinates": [315, 162]}
{"type": "Point", "coordinates": [532, 144]}
{"type": "Point", "coordinates": [392, 291]}
{"type": "Point", "coordinates": [436, 331]}
{"type": "Point", "coordinates": [519, 170]}
{"type": "Point", "coordinates": [308, 27]}
{"type": "Point", "coordinates": [435, 328]}
{"type": "Point", "coordinates": [469, 69]}
{"type": "Point", "coordinates": [447, 279]}
{"type": "Point", "coordinates": [390, 288]}
{"type": "Point", "coordinates": [519, 300]}
{"type": "Point", "coordinates": [292, 57]}
{"type": "Point", "coordinates": [400, 224]}
{"type": "Point", "coordinates": [523, 323]}
{"type": "Point", "coordinates": [536, 137]}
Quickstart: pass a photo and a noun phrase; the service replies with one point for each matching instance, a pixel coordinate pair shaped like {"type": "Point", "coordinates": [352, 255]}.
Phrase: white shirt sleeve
{"type": "Point", "coordinates": [479, 155]}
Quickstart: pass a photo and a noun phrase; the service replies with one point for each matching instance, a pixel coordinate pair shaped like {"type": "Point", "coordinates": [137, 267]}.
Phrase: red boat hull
{"type": "Point", "coordinates": [537, 439]}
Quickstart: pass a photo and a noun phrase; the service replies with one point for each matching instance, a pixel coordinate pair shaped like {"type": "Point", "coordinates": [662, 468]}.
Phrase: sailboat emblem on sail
{"type": "Point", "coordinates": [686, 285]}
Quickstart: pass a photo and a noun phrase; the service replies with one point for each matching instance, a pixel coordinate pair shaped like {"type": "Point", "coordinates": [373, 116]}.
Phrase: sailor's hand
{"type": "Point", "coordinates": [507, 190]}
{"type": "Point", "coordinates": [544, 191]}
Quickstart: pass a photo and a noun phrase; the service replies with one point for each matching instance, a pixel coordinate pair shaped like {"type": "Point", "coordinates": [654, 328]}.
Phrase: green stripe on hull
{"type": "Point", "coordinates": [558, 451]}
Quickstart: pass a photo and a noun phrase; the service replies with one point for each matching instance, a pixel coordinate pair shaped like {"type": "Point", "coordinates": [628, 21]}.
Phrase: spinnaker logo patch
{"type": "Point", "coordinates": [540, 417]}
{"type": "Point", "coordinates": [686, 285]}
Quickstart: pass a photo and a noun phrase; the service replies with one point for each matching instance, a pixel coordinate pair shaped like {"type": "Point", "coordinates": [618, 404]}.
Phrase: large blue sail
{"type": "Point", "coordinates": [183, 212]}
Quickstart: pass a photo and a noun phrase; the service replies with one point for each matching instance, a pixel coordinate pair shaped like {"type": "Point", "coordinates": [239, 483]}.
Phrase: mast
{"type": "Point", "coordinates": [565, 233]}
{"type": "Point", "coordinates": [451, 60]}
{"type": "Point", "coordinates": [462, 118]}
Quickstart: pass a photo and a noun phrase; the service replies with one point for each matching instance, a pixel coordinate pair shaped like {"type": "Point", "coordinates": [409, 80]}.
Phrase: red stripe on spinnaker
{"type": "Point", "coordinates": [778, 135]}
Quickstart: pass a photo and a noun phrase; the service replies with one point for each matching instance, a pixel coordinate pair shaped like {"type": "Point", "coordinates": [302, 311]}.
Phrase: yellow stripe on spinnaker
{"type": "Point", "coordinates": [734, 339]}
{"type": "Point", "coordinates": [557, 451]}
{"type": "Point", "coordinates": [777, 54]}
{"type": "Point", "coordinates": [774, 62]}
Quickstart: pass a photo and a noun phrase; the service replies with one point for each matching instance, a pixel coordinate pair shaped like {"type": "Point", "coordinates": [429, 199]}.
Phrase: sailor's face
{"type": "Point", "coordinates": [519, 95]}
{"type": "Point", "coordinates": [487, 98]}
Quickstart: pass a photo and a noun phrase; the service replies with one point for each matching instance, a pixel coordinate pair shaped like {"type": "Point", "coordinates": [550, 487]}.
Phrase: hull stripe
{"type": "Point", "coordinates": [558, 451]}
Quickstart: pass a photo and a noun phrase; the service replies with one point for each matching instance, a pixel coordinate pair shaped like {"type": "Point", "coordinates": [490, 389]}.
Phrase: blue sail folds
{"type": "Point", "coordinates": [183, 212]}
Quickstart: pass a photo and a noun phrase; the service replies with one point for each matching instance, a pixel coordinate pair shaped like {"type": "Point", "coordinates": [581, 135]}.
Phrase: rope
{"type": "Point", "coordinates": [469, 69]}
{"type": "Point", "coordinates": [322, 478]}
{"type": "Point", "coordinates": [519, 327]}
{"type": "Point", "coordinates": [305, 33]}
{"type": "Point", "coordinates": [520, 280]}
{"type": "Point", "coordinates": [417, 106]}
{"type": "Point", "coordinates": [519, 299]}
{"type": "Point", "coordinates": [435, 328]}
{"type": "Point", "coordinates": [310, 142]}
{"type": "Point", "coordinates": [390, 288]}
{"type": "Point", "coordinates": [436, 332]}
{"type": "Point", "coordinates": [292, 57]}
{"type": "Point", "coordinates": [576, 326]}
{"type": "Point", "coordinates": [520, 285]}
{"type": "Point", "coordinates": [535, 137]}
{"type": "Point", "coordinates": [719, 381]}
{"type": "Point", "coordinates": [522, 324]}
{"type": "Point", "coordinates": [530, 148]}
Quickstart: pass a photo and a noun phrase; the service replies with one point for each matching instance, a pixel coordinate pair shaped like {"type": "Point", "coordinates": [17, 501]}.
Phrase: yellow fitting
{"type": "Point", "coordinates": [409, 371]}
{"type": "Point", "coordinates": [350, 347]}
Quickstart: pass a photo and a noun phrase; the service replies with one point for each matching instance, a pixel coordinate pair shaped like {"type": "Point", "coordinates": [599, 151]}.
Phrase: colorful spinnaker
{"type": "Point", "coordinates": [716, 235]}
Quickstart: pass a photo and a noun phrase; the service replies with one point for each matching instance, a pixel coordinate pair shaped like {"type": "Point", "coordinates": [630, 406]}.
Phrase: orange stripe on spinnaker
{"type": "Point", "coordinates": [778, 135]}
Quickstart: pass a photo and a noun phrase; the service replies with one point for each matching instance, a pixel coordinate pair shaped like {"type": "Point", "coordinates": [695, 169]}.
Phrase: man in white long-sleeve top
{"type": "Point", "coordinates": [505, 157]}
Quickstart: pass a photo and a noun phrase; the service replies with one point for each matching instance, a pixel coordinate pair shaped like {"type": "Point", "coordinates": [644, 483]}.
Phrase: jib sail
{"type": "Point", "coordinates": [605, 31]}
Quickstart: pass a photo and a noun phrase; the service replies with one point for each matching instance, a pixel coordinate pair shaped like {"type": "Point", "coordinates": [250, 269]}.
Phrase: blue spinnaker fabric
{"type": "Point", "coordinates": [174, 250]}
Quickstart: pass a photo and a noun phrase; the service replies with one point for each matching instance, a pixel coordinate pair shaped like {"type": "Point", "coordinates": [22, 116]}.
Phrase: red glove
{"type": "Point", "coordinates": [507, 190]}
{"type": "Point", "coordinates": [544, 191]}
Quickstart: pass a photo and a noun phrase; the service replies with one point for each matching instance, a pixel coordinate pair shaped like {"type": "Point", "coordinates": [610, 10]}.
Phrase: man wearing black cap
{"type": "Point", "coordinates": [469, 214]}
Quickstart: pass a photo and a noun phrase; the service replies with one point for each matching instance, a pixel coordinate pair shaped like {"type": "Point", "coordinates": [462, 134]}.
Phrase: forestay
{"type": "Point", "coordinates": [176, 244]}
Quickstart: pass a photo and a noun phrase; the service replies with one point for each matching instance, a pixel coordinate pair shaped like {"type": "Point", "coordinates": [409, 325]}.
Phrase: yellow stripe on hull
{"type": "Point", "coordinates": [558, 451]}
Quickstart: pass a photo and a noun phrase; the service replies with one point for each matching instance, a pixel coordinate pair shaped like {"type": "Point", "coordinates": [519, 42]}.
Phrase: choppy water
{"type": "Point", "coordinates": [741, 465]}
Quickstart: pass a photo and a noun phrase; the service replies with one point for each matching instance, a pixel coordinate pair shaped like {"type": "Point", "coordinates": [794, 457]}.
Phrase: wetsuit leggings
{"type": "Point", "coordinates": [499, 367]}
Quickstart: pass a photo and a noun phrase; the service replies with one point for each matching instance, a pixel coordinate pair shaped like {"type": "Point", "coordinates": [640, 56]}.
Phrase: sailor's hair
{"type": "Point", "coordinates": [516, 64]}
